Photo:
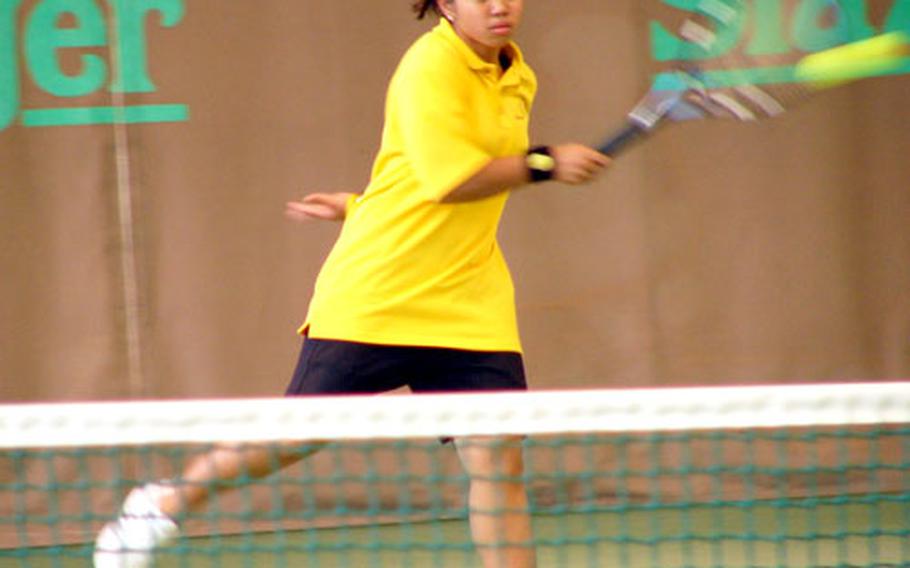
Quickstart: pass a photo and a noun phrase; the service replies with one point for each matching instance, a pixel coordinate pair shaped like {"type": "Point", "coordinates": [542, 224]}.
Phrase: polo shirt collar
{"type": "Point", "coordinates": [474, 61]}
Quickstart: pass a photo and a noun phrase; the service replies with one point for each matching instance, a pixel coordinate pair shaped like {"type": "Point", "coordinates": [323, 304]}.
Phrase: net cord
{"type": "Point", "coordinates": [349, 418]}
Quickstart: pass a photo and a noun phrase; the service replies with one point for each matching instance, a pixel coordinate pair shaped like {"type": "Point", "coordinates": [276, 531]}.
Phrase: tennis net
{"type": "Point", "coordinates": [797, 475]}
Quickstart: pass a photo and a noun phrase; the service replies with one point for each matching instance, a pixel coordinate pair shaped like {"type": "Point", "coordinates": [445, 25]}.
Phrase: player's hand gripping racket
{"type": "Point", "coordinates": [713, 80]}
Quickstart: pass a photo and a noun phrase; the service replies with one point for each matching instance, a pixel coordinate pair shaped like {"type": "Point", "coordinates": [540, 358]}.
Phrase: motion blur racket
{"type": "Point", "coordinates": [713, 78]}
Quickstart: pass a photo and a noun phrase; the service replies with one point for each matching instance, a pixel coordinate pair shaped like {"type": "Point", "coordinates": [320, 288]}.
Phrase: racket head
{"type": "Point", "coordinates": [715, 74]}
{"type": "Point", "coordinates": [722, 80]}
{"type": "Point", "coordinates": [680, 94]}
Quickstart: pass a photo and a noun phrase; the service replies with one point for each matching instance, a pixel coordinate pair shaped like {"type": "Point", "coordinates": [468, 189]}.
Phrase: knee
{"type": "Point", "coordinates": [495, 460]}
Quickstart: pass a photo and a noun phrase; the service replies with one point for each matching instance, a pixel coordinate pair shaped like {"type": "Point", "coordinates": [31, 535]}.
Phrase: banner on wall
{"type": "Point", "coordinates": [774, 35]}
{"type": "Point", "coordinates": [35, 35]}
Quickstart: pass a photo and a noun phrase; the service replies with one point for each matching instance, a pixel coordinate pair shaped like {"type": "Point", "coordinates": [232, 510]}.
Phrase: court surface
{"type": "Point", "coordinates": [768, 534]}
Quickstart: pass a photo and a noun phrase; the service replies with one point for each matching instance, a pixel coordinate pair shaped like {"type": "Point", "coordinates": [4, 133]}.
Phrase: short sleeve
{"type": "Point", "coordinates": [437, 130]}
{"type": "Point", "coordinates": [351, 204]}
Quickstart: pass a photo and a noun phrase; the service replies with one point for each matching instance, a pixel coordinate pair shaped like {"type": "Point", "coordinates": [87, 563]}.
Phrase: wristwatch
{"type": "Point", "coordinates": [541, 164]}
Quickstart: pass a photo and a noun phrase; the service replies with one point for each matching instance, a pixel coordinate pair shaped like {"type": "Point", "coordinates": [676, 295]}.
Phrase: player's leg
{"type": "Point", "coordinates": [498, 502]}
{"type": "Point", "coordinates": [148, 519]}
{"type": "Point", "coordinates": [215, 471]}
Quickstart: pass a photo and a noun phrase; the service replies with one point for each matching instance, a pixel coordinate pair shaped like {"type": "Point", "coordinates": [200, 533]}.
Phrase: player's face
{"type": "Point", "coordinates": [485, 25]}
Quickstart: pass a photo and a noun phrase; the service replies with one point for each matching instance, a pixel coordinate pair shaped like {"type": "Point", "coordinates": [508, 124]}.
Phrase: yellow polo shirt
{"type": "Point", "coordinates": [408, 269]}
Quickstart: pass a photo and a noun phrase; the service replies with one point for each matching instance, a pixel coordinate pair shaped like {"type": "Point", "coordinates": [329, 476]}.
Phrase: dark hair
{"type": "Point", "coordinates": [421, 7]}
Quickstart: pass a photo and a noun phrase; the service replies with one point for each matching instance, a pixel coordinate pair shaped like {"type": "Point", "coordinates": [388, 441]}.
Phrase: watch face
{"type": "Point", "coordinates": [541, 162]}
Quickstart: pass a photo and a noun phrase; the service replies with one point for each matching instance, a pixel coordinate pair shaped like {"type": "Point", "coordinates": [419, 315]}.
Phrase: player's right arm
{"type": "Point", "coordinates": [574, 164]}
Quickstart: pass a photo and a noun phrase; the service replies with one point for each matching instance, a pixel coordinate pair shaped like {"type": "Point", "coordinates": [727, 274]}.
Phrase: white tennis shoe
{"type": "Point", "coordinates": [141, 528]}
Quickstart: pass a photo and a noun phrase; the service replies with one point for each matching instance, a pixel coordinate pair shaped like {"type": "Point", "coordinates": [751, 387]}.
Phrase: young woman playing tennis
{"type": "Point", "coordinates": [415, 291]}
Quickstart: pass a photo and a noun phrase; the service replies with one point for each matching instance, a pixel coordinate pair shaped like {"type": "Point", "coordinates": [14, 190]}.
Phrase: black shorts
{"type": "Point", "coordinates": [329, 367]}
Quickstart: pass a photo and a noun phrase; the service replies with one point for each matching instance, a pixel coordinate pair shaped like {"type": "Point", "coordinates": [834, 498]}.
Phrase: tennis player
{"type": "Point", "coordinates": [415, 291]}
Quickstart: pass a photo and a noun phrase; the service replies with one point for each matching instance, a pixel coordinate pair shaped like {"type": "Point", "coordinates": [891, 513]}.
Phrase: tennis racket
{"type": "Point", "coordinates": [712, 80]}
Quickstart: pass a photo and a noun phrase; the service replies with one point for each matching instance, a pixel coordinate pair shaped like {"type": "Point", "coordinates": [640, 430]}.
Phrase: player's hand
{"type": "Point", "coordinates": [577, 164]}
{"type": "Point", "coordinates": [325, 206]}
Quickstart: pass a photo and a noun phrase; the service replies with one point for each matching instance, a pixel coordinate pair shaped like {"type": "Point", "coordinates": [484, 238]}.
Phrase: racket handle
{"type": "Point", "coordinates": [620, 140]}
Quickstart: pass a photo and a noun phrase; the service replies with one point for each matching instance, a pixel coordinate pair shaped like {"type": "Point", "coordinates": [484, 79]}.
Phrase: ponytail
{"type": "Point", "coordinates": [422, 7]}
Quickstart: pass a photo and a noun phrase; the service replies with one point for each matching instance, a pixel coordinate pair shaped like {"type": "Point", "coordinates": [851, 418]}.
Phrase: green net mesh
{"type": "Point", "coordinates": [722, 477]}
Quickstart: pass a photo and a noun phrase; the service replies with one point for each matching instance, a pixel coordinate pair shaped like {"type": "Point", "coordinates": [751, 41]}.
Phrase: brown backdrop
{"type": "Point", "coordinates": [719, 253]}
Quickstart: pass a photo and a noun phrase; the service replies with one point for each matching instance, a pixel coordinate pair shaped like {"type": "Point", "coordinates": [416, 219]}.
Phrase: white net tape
{"type": "Point", "coordinates": [426, 416]}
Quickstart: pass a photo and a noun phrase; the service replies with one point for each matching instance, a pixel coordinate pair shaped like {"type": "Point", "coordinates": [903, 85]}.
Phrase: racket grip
{"type": "Point", "coordinates": [621, 139]}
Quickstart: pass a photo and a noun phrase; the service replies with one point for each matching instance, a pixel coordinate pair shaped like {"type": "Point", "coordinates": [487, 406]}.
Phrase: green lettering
{"type": "Point", "coordinates": [899, 17]}
{"type": "Point", "coordinates": [132, 71]}
{"type": "Point", "coordinates": [665, 46]}
{"type": "Point", "coordinates": [105, 115]}
{"type": "Point", "coordinates": [813, 30]}
{"type": "Point", "coordinates": [43, 38]}
{"type": "Point", "coordinates": [9, 68]}
{"type": "Point", "coordinates": [857, 16]}
{"type": "Point", "coordinates": [768, 38]}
